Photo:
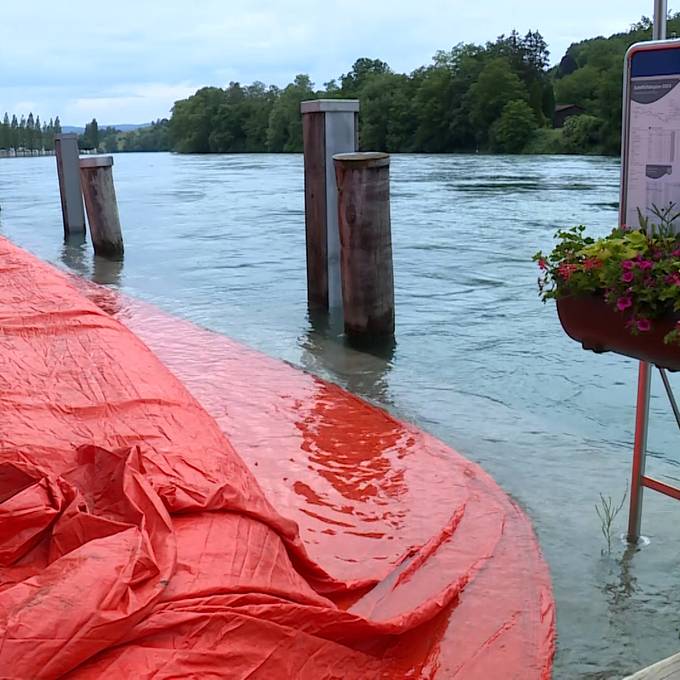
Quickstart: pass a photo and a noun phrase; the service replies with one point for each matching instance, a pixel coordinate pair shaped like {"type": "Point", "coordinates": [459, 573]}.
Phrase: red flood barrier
{"type": "Point", "coordinates": [136, 542]}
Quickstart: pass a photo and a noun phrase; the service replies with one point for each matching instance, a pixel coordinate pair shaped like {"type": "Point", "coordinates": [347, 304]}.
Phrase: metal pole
{"type": "Point", "coordinates": [639, 451]}
{"type": "Point", "coordinates": [660, 14]}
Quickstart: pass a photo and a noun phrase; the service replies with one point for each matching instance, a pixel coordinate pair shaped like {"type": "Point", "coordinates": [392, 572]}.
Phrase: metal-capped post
{"type": "Point", "coordinates": [329, 126]}
{"type": "Point", "coordinates": [66, 153]}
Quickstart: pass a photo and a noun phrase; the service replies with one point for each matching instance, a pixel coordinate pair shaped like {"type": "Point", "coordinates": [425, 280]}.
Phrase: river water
{"type": "Point", "coordinates": [478, 361]}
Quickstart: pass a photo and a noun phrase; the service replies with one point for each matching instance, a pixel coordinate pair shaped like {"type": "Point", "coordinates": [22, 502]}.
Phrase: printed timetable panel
{"type": "Point", "coordinates": [652, 135]}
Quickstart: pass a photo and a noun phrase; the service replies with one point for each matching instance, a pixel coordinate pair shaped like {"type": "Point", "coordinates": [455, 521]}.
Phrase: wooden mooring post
{"type": "Point", "coordinates": [329, 127]}
{"type": "Point", "coordinates": [363, 181]}
{"type": "Point", "coordinates": [96, 176]}
{"type": "Point", "coordinates": [68, 171]}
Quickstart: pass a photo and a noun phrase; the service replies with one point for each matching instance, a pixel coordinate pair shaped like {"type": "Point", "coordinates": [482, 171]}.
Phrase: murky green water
{"type": "Point", "coordinates": [478, 361]}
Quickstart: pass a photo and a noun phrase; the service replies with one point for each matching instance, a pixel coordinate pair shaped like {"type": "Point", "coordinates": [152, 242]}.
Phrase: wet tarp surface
{"type": "Point", "coordinates": [136, 542]}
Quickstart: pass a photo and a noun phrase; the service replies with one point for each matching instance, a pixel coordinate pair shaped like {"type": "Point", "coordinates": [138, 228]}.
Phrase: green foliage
{"type": "Point", "coordinates": [28, 133]}
{"type": "Point", "coordinates": [284, 132]}
{"type": "Point", "coordinates": [637, 272]}
{"type": "Point", "coordinates": [352, 83]}
{"type": "Point", "coordinates": [496, 86]}
{"type": "Point", "coordinates": [582, 133]}
{"type": "Point", "coordinates": [511, 132]}
{"type": "Point", "coordinates": [448, 106]}
{"type": "Point", "coordinates": [90, 138]}
{"type": "Point", "coordinates": [544, 141]}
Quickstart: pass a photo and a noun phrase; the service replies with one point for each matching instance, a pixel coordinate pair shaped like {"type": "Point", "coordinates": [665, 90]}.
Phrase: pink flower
{"type": "Point", "coordinates": [644, 325]}
{"type": "Point", "coordinates": [627, 264]}
{"type": "Point", "coordinates": [673, 279]}
{"type": "Point", "coordinates": [645, 264]}
{"type": "Point", "coordinates": [676, 252]}
{"type": "Point", "coordinates": [627, 277]}
{"type": "Point", "coordinates": [623, 303]}
{"type": "Point", "coordinates": [650, 282]}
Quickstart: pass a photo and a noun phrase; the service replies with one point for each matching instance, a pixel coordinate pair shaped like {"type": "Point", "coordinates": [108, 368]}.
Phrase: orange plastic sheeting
{"type": "Point", "coordinates": [135, 542]}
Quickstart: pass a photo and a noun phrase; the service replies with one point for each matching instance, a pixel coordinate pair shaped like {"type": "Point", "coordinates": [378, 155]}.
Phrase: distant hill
{"type": "Point", "coordinates": [123, 127]}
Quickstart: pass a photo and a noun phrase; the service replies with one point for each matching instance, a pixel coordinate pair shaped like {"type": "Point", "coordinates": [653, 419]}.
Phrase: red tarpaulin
{"type": "Point", "coordinates": [136, 542]}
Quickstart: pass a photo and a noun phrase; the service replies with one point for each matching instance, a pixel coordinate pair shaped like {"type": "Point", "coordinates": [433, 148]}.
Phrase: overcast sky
{"type": "Point", "coordinates": [127, 61]}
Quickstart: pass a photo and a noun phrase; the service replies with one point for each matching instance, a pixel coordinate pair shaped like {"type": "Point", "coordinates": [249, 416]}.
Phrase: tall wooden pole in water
{"type": "Point", "coordinates": [68, 171]}
{"type": "Point", "coordinates": [96, 175]}
{"type": "Point", "coordinates": [644, 371]}
{"type": "Point", "coordinates": [366, 244]}
{"type": "Point", "coordinates": [329, 126]}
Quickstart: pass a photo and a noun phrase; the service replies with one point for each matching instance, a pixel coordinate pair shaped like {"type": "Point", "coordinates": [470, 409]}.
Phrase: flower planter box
{"type": "Point", "coordinates": [592, 322]}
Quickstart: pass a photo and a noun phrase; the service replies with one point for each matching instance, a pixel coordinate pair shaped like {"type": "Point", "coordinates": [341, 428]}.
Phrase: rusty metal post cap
{"type": "Point", "coordinates": [96, 162]}
{"type": "Point", "coordinates": [373, 159]}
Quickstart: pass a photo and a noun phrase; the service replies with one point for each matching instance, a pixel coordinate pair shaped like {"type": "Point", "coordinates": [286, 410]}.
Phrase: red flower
{"type": "Point", "coordinates": [542, 264]}
{"type": "Point", "coordinates": [591, 263]}
{"type": "Point", "coordinates": [644, 325]}
{"type": "Point", "coordinates": [566, 270]}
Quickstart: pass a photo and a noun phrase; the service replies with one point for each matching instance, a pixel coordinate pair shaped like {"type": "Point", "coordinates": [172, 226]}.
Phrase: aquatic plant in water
{"type": "Point", "coordinates": [607, 513]}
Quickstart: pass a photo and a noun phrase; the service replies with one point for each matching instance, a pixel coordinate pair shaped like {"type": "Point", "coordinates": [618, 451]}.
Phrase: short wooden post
{"type": "Point", "coordinates": [363, 181]}
{"type": "Point", "coordinates": [66, 152]}
{"type": "Point", "coordinates": [96, 176]}
{"type": "Point", "coordinates": [329, 127]}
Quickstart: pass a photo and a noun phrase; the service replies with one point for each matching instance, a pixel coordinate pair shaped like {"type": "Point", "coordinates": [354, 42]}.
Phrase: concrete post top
{"type": "Point", "coordinates": [368, 159]}
{"type": "Point", "coordinates": [96, 162]}
{"type": "Point", "coordinates": [329, 105]}
{"type": "Point", "coordinates": [66, 135]}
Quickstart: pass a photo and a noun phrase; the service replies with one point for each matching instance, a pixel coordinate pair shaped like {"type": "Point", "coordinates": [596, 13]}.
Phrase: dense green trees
{"type": "Point", "coordinates": [590, 75]}
{"type": "Point", "coordinates": [450, 105]}
{"type": "Point", "coordinates": [513, 128]}
{"type": "Point", "coordinates": [90, 138]}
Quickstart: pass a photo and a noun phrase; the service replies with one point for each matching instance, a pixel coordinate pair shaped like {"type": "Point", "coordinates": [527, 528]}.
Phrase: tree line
{"type": "Point", "coordinates": [28, 132]}
{"type": "Point", "coordinates": [496, 97]}
{"type": "Point", "coordinates": [470, 98]}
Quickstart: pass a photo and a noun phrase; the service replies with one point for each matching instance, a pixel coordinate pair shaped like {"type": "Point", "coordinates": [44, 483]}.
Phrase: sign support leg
{"type": "Point", "coordinates": [639, 451]}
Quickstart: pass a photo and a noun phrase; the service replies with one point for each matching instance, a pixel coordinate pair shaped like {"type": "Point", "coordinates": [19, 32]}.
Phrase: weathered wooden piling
{"type": "Point", "coordinates": [96, 176]}
{"type": "Point", "coordinates": [68, 171]}
{"type": "Point", "coordinates": [363, 183]}
{"type": "Point", "coordinates": [329, 127]}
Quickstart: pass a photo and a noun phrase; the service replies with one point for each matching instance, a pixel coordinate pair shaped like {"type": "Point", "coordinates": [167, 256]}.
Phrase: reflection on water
{"type": "Point", "coordinates": [77, 256]}
{"type": "Point", "coordinates": [107, 272]}
{"type": "Point", "coordinates": [477, 361]}
{"type": "Point", "coordinates": [325, 350]}
{"type": "Point", "coordinates": [74, 254]}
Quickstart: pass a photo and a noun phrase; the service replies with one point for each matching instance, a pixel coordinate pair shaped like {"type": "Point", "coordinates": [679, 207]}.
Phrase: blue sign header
{"type": "Point", "coordinates": [662, 62]}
